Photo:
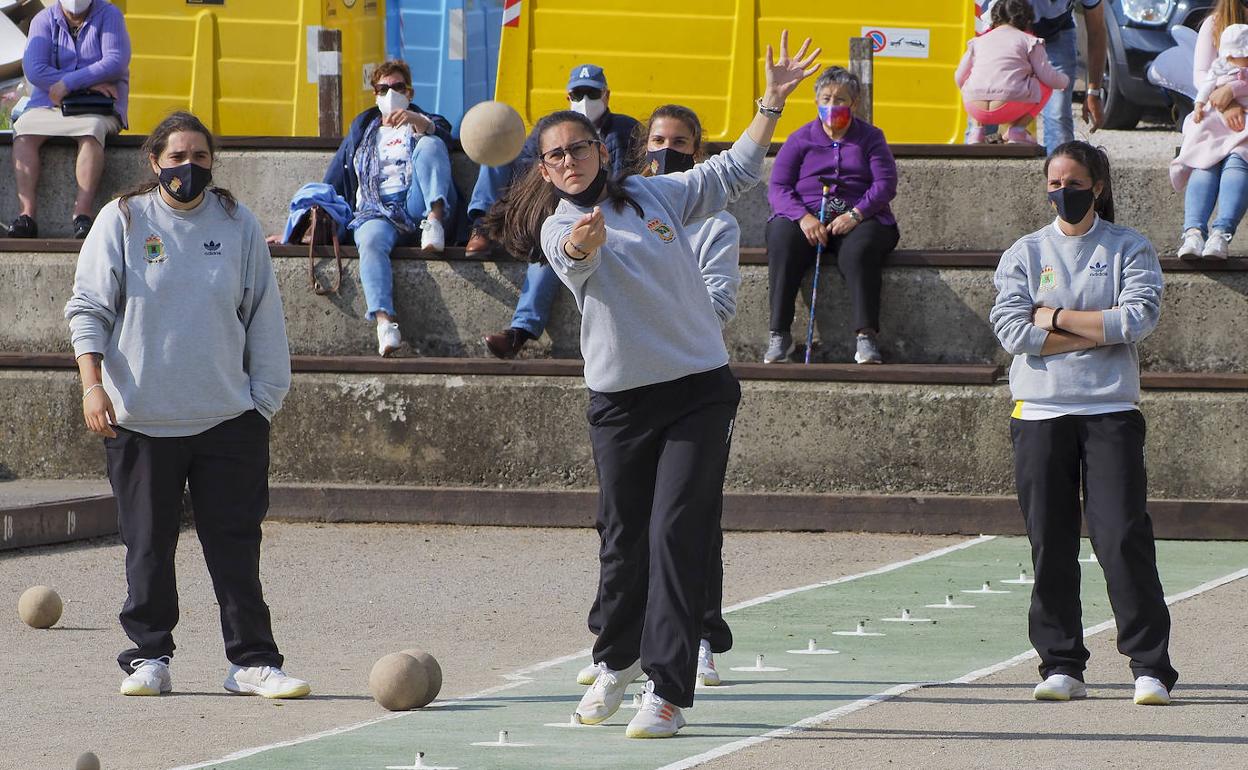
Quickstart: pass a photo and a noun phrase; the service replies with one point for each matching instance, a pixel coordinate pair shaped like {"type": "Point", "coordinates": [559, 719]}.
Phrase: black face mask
{"type": "Point", "coordinates": [590, 195]}
{"type": "Point", "coordinates": [668, 161]}
{"type": "Point", "coordinates": [185, 183]}
{"type": "Point", "coordinates": [1072, 204]}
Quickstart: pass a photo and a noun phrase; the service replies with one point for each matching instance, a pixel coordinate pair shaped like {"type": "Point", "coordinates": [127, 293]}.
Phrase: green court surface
{"type": "Point", "coordinates": [534, 705]}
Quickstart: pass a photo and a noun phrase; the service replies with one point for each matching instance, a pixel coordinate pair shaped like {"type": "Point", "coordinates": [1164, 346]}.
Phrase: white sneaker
{"type": "Point", "coordinates": [707, 675]}
{"type": "Point", "coordinates": [1149, 691]}
{"type": "Point", "coordinates": [604, 696]}
{"type": "Point", "coordinates": [432, 236]}
{"type": "Point", "coordinates": [1193, 243]}
{"type": "Point", "coordinates": [269, 681]}
{"type": "Point", "coordinates": [657, 718]}
{"type": "Point", "coordinates": [388, 339]}
{"type": "Point", "coordinates": [1216, 246]}
{"type": "Point", "coordinates": [587, 675]}
{"type": "Point", "coordinates": [150, 677]}
{"type": "Point", "coordinates": [1060, 687]}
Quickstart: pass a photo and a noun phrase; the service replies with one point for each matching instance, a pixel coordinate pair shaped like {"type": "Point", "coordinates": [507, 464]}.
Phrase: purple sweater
{"type": "Point", "coordinates": [101, 53]}
{"type": "Point", "coordinates": [861, 166]}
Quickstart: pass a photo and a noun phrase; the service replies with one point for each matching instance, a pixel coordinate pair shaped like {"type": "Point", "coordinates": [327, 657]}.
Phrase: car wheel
{"type": "Point", "coordinates": [1120, 112]}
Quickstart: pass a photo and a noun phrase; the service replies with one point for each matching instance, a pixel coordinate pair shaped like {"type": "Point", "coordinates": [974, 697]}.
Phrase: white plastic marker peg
{"type": "Point", "coordinates": [812, 648]}
{"type": "Point", "coordinates": [987, 589]}
{"type": "Point", "coordinates": [1023, 578]}
{"type": "Point", "coordinates": [949, 605]}
{"type": "Point", "coordinates": [635, 704]}
{"type": "Point", "coordinates": [861, 630]}
{"type": "Point", "coordinates": [574, 721]}
{"type": "Point", "coordinates": [503, 742]}
{"type": "Point", "coordinates": [1091, 558]}
{"type": "Point", "coordinates": [906, 617]}
{"type": "Point", "coordinates": [758, 666]}
{"type": "Point", "coordinates": [419, 764]}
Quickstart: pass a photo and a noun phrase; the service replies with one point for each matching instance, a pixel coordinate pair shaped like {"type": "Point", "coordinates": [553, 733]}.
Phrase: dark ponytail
{"type": "Point", "coordinates": [154, 146]}
{"type": "Point", "coordinates": [515, 220]}
{"type": "Point", "coordinates": [1096, 162]}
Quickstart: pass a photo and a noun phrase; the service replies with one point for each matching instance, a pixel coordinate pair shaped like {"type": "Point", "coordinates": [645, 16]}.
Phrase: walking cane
{"type": "Point", "coordinates": [814, 286]}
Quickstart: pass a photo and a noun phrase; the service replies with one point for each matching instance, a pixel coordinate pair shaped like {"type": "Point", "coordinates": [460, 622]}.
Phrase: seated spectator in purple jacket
{"type": "Point", "coordinates": [73, 46]}
{"type": "Point", "coordinates": [858, 230]}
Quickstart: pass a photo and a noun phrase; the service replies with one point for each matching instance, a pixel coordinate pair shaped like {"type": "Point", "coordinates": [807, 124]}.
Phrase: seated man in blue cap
{"type": "Point", "coordinates": [587, 94]}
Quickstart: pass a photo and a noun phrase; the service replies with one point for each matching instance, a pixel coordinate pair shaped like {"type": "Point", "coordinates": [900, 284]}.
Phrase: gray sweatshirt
{"type": "Point", "coordinates": [717, 242]}
{"type": "Point", "coordinates": [1110, 268]}
{"type": "Point", "coordinates": [642, 297]}
{"type": "Point", "coordinates": [184, 308]}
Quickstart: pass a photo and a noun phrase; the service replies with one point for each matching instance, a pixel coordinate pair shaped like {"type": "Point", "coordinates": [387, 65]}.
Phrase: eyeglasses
{"type": "Point", "coordinates": [586, 93]}
{"type": "Point", "coordinates": [381, 89]}
{"type": "Point", "coordinates": [578, 150]}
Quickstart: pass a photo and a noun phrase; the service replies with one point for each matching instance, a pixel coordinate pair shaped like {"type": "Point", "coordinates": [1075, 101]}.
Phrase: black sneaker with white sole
{"type": "Point", "coordinates": [24, 227]}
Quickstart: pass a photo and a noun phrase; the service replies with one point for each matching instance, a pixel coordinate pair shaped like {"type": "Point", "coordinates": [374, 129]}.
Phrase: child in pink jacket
{"type": "Point", "coordinates": [1005, 74]}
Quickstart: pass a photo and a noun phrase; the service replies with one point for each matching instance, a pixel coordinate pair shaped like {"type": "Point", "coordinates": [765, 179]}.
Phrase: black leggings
{"type": "Point", "coordinates": [661, 452]}
{"type": "Point", "coordinates": [859, 256]}
{"type": "Point", "coordinates": [1101, 456]}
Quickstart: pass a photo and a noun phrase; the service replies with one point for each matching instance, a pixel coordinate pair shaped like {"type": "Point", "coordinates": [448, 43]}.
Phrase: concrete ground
{"type": "Point", "coordinates": [487, 601]}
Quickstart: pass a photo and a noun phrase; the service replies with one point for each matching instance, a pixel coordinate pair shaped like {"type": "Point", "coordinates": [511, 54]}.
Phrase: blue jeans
{"type": "Point", "coordinates": [1224, 184]}
{"type": "Point", "coordinates": [1058, 117]}
{"type": "Point", "coordinates": [376, 238]}
{"type": "Point", "coordinates": [541, 285]}
{"type": "Point", "coordinates": [491, 182]}
{"type": "Point", "coordinates": [537, 298]}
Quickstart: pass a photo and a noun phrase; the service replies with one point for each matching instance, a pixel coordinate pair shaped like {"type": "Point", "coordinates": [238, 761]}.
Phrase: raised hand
{"type": "Point", "coordinates": [787, 72]}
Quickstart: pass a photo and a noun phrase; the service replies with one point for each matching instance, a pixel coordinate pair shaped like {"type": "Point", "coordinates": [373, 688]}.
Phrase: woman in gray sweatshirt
{"type": "Point", "coordinates": [181, 344]}
{"type": "Point", "coordinates": [1073, 300]}
{"type": "Point", "coordinates": [662, 399]}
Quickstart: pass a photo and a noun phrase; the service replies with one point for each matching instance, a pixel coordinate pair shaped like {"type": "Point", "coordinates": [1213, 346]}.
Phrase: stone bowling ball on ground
{"type": "Point", "coordinates": [39, 607]}
{"type": "Point", "coordinates": [399, 682]}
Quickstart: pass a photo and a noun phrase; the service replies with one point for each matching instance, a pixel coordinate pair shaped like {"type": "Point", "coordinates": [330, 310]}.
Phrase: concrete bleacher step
{"type": "Point", "coordinates": [45, 524]}
{"type": "Point", "coordinates": [949, 196]}
{"type": "Point", "coordinates": [934, 310]}
{"type": "Point", "coordinates": [39, 512]}
{"type": "Point", "coordinates": [908, 431]}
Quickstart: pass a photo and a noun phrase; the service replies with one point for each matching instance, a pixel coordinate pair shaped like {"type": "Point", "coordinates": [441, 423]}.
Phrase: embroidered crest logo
{"type": "Point", "coordinates": [1098, 269]}
{"type": "Point", "coordinates": [174, 185]}
{"type": "Point", "coordinates": [154, 250]}
{"type": "Point", "coordinates": [212, 249]}
{"type": "Point", "coordinates": [1048, 278]}
{"type": "Point", "coordinates": [660, 229]}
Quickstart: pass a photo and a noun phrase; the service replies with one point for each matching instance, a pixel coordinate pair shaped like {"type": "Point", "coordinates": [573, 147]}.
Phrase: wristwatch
{"type": "Point", "coordinates": [854, 215]}
{"type": "Point", "coordinates": [1099, 93]}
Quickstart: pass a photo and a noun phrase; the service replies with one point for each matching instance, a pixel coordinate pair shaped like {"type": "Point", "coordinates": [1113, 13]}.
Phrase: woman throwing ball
{"type": "Point", "coordinates": [1073, 300]}
{"type": "Point", "coordinates": [662, 399]}
{"type": "Point", "coordinates": [177, 325]}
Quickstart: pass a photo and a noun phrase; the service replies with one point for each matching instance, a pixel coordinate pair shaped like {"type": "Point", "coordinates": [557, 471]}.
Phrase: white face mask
{"type": "Point", "coordinates": [392, 101]}
{"type": "Point", "coordinates": [75, 6]}
{"type": "Point", "coordinates": [590, 108]}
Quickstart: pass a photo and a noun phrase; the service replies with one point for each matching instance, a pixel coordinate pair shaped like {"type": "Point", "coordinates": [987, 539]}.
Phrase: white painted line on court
{"type": "Point", "coordinates": [521, 676]}
{"type": "Point", "coordinates": [877, 571]}
{"type": "Point", "coordinates": [893, 692]}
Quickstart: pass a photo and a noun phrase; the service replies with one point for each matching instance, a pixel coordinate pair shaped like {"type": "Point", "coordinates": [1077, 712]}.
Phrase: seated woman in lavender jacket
{"type": "Point", "coordinates": [74, 45]}
{"type": "Point", "coordinates": [852, 156]}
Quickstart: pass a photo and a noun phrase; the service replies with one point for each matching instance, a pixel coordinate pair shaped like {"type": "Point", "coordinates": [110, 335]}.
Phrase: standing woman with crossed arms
{"type": "Point", "coordinates": [662, 398]}
{"type": "Point", "coordinates": [1073, 300]}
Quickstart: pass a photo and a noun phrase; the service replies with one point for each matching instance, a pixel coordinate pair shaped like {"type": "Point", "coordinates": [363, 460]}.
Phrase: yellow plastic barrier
{"type": "Point", "coordinates": [242, 66]}
{"type": "Point", "coordinates": [709, 55]}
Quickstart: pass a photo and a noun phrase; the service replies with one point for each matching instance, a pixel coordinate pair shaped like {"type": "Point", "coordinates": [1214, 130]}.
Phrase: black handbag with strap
{"type": "Point", "coordinates": [86, 102]}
